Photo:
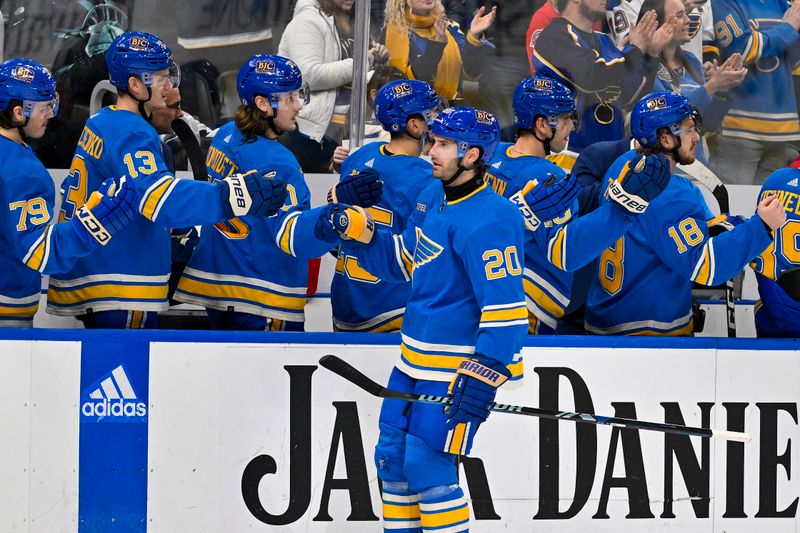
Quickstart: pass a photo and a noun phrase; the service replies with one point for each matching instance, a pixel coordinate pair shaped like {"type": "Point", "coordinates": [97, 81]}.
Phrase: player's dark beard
{"type": "Point", "coordinates": [684, 159]}
{"type": "Point", "coordinates": [591, 14]}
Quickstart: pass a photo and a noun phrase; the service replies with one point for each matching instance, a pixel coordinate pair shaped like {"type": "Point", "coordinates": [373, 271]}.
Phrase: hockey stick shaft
{"type": "Point", "coordinates": [353, 375]}
{"type": "Point", "coordinates": [711, 181]}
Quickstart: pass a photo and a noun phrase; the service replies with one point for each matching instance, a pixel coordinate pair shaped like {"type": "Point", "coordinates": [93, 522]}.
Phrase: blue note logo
{"type": "Point", "coordinates": [112, 399]}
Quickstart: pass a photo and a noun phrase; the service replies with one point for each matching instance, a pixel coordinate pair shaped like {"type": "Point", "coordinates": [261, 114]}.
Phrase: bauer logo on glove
{"type": "Point", "coordinates": [640, 182]}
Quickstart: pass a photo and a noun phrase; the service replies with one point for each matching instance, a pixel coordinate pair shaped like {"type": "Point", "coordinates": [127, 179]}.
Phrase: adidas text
{"type": "Point", "coordinates": [115, 408]}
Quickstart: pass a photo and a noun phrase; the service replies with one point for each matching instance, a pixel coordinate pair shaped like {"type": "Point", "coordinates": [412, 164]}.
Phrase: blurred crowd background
{"type": "Point", "coordinates": [721, 53]}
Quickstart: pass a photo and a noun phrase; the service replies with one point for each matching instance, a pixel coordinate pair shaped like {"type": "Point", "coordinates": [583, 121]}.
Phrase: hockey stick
{"type": "Point", "coordinates": [193, 151]}
{"type": "Point", "coordinates": [711, 181]}
{"type": "Point", "coordinates": [351, 374]}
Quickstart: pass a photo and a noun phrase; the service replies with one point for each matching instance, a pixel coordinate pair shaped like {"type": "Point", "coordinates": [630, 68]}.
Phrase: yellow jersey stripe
{"type": "Point", "coordinates": [401, 512]}
{"type": "Point", "coordinates": [107, 291]}
{"type": "Point", "coordinates": [237, 292]}
{"type": "Point", "coordinates": [542, 299]}
{"type": "Point", "coordinates": [703, 273]}
{"type": "Point", "coordinates": [555, 252]}
{"type": "Point", "coordinates": [459, 433]}
{"type": "Point", "coordinates": [285, 238]}
{"type": "Point", "coordinates": [152, 200]}
{"type": "Point", "coordinates": [504, 314]}
{"type": "Point", "coordinates": [685, 331]}
{"type": "Point", "coordinates": [447, 518]}
{"type": "Point", "coordinates": [23, 312]}
{"type": "Point", "coordinates": [752, 52]}
{"type": "Point", "coordinates": [761, 126]}
{"type": "Point", "coordinates": [37, 257]}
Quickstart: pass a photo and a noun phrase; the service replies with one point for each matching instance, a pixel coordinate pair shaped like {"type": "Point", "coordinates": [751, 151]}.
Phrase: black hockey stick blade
{"type": "Point", "coordinates": [193, 151]}
{"type": "Point", "coordinates": [351, 374]}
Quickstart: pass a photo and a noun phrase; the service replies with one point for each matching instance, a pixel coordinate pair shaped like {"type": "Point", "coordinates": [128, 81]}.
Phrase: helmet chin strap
{"type": "Point", "coordinates": [142, 110]}
{"type": "Point", "coordinates": [546, 141]}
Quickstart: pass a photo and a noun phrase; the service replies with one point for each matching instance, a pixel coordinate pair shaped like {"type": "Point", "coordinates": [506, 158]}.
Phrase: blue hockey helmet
{"type": "Point", "coordinates": [139, 54]}
{"type": "Point", "coordinates": [399, 100]}
{"type": "Point", "coordinates": [27, 81]}
{"type": "Point", "coordinates": [541, 96]}
{"type": "Point", "coordinates": [269, 75]}
{"type": "Point", "coordinates": [656, 111]}
{"type": "Point", "coordinates": [469, 127]}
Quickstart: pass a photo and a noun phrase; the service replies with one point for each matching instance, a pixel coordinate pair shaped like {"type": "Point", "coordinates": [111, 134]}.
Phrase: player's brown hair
{"type": "Point", "coordinates": [252, 122]}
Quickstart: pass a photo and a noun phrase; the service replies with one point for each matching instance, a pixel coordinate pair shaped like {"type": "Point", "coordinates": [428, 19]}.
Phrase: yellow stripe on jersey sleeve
{"type": "Point", "coordinates": [753, 50]}
{"type": "Point", "coordinates": [35, 258]}
{"type": "Point", "coordinates": [285, 237]}
{"type": "Point", "coordinates": [502, 315]}
{"type": "Point", "coordinates": [556, 249]}
{"type": "Point", "coordinates": [704, 271]}
{"type": "Point", "coordinates": [542, 299]}
{"type": "Point", "coordinates": [151, 201]}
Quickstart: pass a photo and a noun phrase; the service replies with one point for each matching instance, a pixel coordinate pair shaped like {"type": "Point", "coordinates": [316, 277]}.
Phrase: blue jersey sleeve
{"type": "Point", "coordinates": [581, 240]}
{"type": "Point", "coordinates": [293, 226]}
{"type": "Point", "coordinates": [163, 198]}
{"type": "Point", "coordinates": [679, 234]}
{"type": "Point", "coordinates": [735, 33]}
{"type": "Point", "coordinates": [40, 245]}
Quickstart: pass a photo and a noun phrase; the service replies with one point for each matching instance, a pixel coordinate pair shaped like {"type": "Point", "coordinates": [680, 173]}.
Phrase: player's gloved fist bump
{"type": "Point", "coordinates": [363, 189]}
{"type": "Point", "coordinates": [641, 181]}
{"type": "Point", "coordinates": [108, 210]}
{"type": "Point", "coordinates": [473, 389]}
{"type": "Point", "coordinates": [353, 223]}
{"type": "Point", "coordinates": [540, 201]}
{"type": "Point", "coordinates": [341, 221]}
{"type": "Point", "coordinates": [252, 193]}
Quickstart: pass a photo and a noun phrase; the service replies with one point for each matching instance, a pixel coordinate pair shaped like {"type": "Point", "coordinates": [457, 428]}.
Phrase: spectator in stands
{"type": "Point", "coordinates": [424, 45]}
{"type": "Point", "coordinates": [700, 22]}
{"type": "Point", "coordinates": [680, 71]}
{"type": "Point", "coordinates": [319, 39]}
{"type": "Point", "coordinates": [763, 114]}
{"type": "Point", "coordinates": [540, 19]}
{"type": "Point", "coordinates": [607, 79]}
{"type": "Point", "coordinates": [373, 131]}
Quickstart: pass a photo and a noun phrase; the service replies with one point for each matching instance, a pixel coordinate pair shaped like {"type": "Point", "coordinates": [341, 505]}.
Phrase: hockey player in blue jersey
{"type": "Point", "coordinates": [251, 273]}
{"type": "Point", "coordinates": [559, 242]}
{"type": "Point", "coordinates": [669, 246]}
{"type": "Point", "coordinates": [126, 282]}
{"type": "Point", "coordinates": [465, 319]}
{"type": "Point", "coordinates": [777, 313]}
{"type": "Point", "coordinates": [361, 301]}
{"type": "Point", "coordinates": [30, 244]}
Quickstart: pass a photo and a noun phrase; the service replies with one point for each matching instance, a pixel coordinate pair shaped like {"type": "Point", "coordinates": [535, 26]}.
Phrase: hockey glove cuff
{"type": "Point", "coordinates": [473, 390]}
{"type": "Point", "coordinates": [252, 193]}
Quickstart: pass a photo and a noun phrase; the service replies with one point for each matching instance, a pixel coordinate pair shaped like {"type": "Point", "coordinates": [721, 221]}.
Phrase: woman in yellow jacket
{"type": "Point", "coordinates": [424, 45]}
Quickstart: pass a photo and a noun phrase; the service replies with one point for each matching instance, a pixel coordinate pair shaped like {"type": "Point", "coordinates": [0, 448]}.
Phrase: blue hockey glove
{"type": "Point", "coordinates": [723, 223]}
{"type": "Point", "coordinates": [542, 201]}
{"type": "Point", "coordinates": [363, 189]}
{"type": "Point", "coordinates": [341, 221]}
{"type": "Point", "coordinates": [642, 180]}
{"type": "Point", "coordinates": [107, 211]}
{"type": "Point", "coordinates": [252, 193]}
{"type": "Point", "coordinates": [473, 389]}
